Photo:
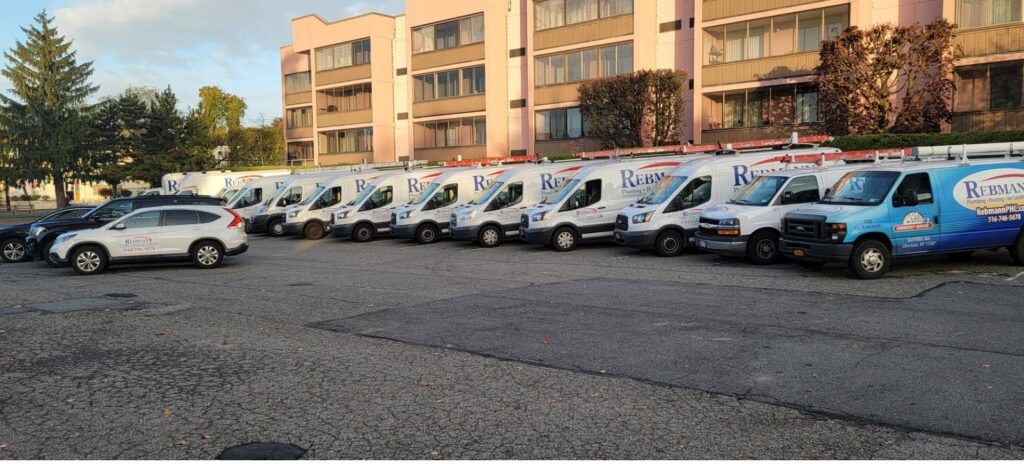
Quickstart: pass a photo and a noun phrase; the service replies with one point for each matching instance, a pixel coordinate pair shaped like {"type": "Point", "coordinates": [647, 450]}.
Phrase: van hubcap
{"type": "Point", "coordinates": [363, 234]}
{"type": "Point", "coordinates": [14, 251]}
{"type": "Point", "coordinates": [88, 261]}
{"type": "Point", "coordinates": [872, 260]}
{"type": "Point", "coordinates": [565, 240]}
{"type": "Point", "coordinates": [427, 235]}
{"type": "Point", "coordinates": [490, 236]}
{"type": "Point", "coordinates": [765, 249]}
{"type": "Point", "coordinates": [669, 244]}
{"type": "Point", "coordinates": [207, 255]}
{"type": "Point", "coordinates": [278, 228]}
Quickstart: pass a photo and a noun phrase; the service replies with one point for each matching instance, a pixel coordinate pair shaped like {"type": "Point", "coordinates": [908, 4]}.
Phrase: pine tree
{"type": "Point", "coordinates": [44, 112]}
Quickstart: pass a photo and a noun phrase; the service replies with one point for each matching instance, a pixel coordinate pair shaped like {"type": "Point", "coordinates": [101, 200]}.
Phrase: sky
{"type": "Point", "coordinates": [184, 44]}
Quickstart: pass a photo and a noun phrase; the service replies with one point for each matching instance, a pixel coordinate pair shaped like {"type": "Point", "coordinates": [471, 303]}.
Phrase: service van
{"type": "Point", "coordinates": [583, 209]}
{"type": "Point", "coordinates": [666, 220]}
{"type": "Point", "coordinates": [750, 224]}
{"type": "Point", "coordinates": [251, 197]}
{"type": "Point", "coordinates": [223, 184]}
{"type": "Point", "coordinates": [874, 215]}
{"type": "Point", "coordinates": [312, 217]}
{"type": "Point", "coordinates": [169, 183]}
{"type": "Point", "coordinates": [428, 216]}
{"type": "Point", "coordinates": [493, 216]}
{"type": "Point", "coordinates": [269, 218]}
{"type": "Point", "coordinates": [369, 216]}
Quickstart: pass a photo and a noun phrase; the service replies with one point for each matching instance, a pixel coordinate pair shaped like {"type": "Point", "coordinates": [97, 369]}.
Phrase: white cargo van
{"type": "Point", "coordinates": [222, 184]}
{"type": "Point", "coordinates": [750, 224]}
{"type": "Point", "coordinates": [666, 220]}
{"type": "Point", "coordinates": [583, 209]}
{"type": "Point", "coordinates": [369, 216]}
{"type": "Point", "coordinates": [170, 182]}
{"type": "Point", "coordinates": [252, 196]}
{"type": "Point", "coordinates": [311, 218]}
{"type": "Point", "coordinates": [270, 217]}
{"type": "Point", "coordinates": [427, 217]}
{"type": "Point", "coordinates": [493, 216]}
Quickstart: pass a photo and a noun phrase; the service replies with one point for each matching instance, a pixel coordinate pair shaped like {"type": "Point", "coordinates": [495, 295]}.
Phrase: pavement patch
{"type": "Point", "coordinates": [268, 451]}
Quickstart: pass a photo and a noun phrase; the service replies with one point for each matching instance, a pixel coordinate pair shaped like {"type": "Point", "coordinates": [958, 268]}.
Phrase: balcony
{"type": "Point", "coordinates": [774, 67]}
{"type": "Point", "coordinates": [298, 98]}
{"type": "Point", "coordinates": [744, 134]}
{"type": "Point", "coordinates": [561, 147]}
{"type": "Point", "coordinates": [449, 56]}
{"type": "Point", "coordinates": [1005, 38]}
{"type": "Point", "coordinates": [589, 31]}
{"type": "Point", "coordinates": [339, 75]}
{"type": "Point", "coordinates": [344, 118]}
{"type": "Point", "coordinates": [299, 133]}
{"type": "Point", "coordinates": [454, 105]}
{"type": "Point", "coordinates": [991, 120]}
{"type": "Point", "coordinates": [718, 9]}
{"type": "Point", "coordinates": [558, 93]}
{"type": "Point", "coordinates": [334, 159]}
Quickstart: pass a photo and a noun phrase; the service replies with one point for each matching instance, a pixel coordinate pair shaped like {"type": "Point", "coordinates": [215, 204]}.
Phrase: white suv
{"type": "Point", "coordinates": [204, 234]}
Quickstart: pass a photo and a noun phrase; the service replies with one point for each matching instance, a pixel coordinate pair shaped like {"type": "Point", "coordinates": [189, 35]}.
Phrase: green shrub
{"type": "Point", "coordinates": [883, 141]}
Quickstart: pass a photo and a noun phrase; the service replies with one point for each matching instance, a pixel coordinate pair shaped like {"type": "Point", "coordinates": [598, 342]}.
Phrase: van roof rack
{"type": "Point", "coordinates": [964, 153]}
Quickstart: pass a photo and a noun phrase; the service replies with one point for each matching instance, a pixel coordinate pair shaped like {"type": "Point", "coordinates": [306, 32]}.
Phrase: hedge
{"type": "Point", "coordinates": [883, 141]}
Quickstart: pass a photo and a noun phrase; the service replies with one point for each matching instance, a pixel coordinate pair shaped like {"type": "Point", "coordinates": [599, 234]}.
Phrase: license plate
{"type": "Point", "coordinates": [702, 243]}
{"type": "Point", "coordinates": [798, 253]}
{"type": "Point", "coordinates": [618, 236]}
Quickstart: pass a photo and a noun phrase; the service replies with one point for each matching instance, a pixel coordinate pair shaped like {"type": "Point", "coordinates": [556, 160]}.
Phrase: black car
{"type": "Point", "coordinates": [42, 234]}
{"type": "Point", "coordinates": [12, 237]}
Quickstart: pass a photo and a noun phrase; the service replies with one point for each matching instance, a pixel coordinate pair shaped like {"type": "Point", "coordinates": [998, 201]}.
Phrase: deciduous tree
{"type": "Point", "coordinates": [642, 109]}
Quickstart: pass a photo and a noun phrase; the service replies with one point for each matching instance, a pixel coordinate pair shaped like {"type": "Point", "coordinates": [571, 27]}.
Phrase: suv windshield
{"type": "Point", "coordinates": [760, 192]}
{"type": "Point", "coordinates": [429, 192]}
{"type": "Point", "coordinates": [668, 187]}
{"type": "Point", "coordinates": [559, 194]}
{"type": "Point", "coordinates": [485, 195]}
{"type": "Point", "coordinates": [109, 211]}
{"type": "Point", "coordinates": [865, 188]}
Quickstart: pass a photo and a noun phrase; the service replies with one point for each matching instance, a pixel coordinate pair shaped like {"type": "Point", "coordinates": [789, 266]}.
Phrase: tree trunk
{"type": "Point", "coordinates": [7, 196]}
{"type": "Point", "coordinates": [59, 193]}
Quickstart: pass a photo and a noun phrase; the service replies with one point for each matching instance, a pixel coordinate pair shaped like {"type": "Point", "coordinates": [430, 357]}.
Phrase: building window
{"type": "Point", "coordinates": [1005, 86]}
{"type": "Point", "coordinates": [775, 106]}
{"type": "Point", "coordinates": [996, 86]}
{"type": "Point", "coordinates": [299, 117]}
{"type": "Point", "coordinates": [448, 84]}
{"type": "Point", "coordinates": [777, 36]}
{"type": "Point", "coordinates": [343, 55]}
{"type": "Point", "coordinates": [581, 65]}
{"type": "Point", "coordinates": [981, 13]}
{"type": "Point", "coordinates": [350, 98]}
{"type": "Point", "coordinates": [972, 90]}
{"type": "Point", "coordinates": [346, 141]}
{"type": "Point", "coordinates": [300, 152]}
{"type": "Point", "coordinates": [297, 83]}
{"type": "Point", "coordinates": [806, 105]}
{"type": "Point", "coordinates": [549, 14]}
{"type": "Point", "coordinates": [560, 124]}
{"type": "Point", "coordinates": [449, 34]}
{"type": "Point", "coordinates": [463, 132]}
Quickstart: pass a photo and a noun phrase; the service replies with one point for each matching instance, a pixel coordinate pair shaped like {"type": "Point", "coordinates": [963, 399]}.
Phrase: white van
{"type": "Point", "coordinates": [369, 216]}
{"type": "Point", "coordinates": [584, 208]}
{"type": "Point", "coordinates": [170, 182]}
{"type": "Point", "coordinates": [750, 224]}
{"type": "Point", "coordinates": [429, 215]}
{"type": "Point", "coordinates": [311, 218]}
{"type": "Point", "coordinates": [493, 216]}
{"type": "Point", "coordinates": [666, 220]}
{"type": "Point", "coordinates": [270, 217]}
{"type": "Point", "coordinates": [223, 184]}
{"type": "Point", "coordinates": [252, 196]}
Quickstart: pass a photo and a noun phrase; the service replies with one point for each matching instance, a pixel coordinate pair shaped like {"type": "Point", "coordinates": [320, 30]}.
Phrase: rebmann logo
{"type": "Point", "coordinates": [993, 192]}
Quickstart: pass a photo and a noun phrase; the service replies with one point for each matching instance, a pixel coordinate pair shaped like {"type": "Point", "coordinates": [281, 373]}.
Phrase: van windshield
{"type": "Point", "coordinates": [429, 192]}
{"type": "Point", "coordinates": [561, 193]}
{"type": "Point", "coordinates": [314, 196]}
{"type": "Point", "coordinates": [239, 194]}
{"type": "Point", "coordinates": [363, 196]}
{"type": "Point", "coordinates": [759, 192]}
{"type": "Point", "coordinates": [864, 188]}
{"type": "Point", "coordinates": [485, 195]}
{"type": "Point", "coordinates": [248, 197]}
{"type": "Point", "coordinates": [668, 187]}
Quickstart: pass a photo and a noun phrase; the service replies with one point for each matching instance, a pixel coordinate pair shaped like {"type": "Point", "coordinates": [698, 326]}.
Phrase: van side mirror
{"type": "Point", "coordinates": [828, 191]}
{"type": "Point", "coordinates": [787, 198]}
{"type": "Point", "coordinates": [119, 226]}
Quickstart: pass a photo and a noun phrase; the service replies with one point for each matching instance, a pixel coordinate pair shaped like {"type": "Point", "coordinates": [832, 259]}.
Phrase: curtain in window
{"type": "Point", "coordinates": [733, 110]}
{"type": "Point", "coordinates": [476, 29]}
{"type": "Point", "coordinates": [480, 131]}
{"type": "Point", "coordinates": [734, 38]}
{"type": "Point", "coordinates": [573, 67]}
{"type": "Point", "coordinates": [625, 58]}
{"type": "Point", "coordinates": [616, 7]}
{"type": "Point", "coordinates": [589, 65]}
{"type": "Point", "coordinates": [558, 123]}
{"type": "Point", "coordinates": [608, 65]}
{"type": "Point", "coordinates": [756, 35]}
{"type": "Point", "coordinates": [806, 106]}
{"type": "Point", "coordinates": [577, 11]}
{"type": "Point", "coordinates": [423, 39]}
{"type": "Point", "coordinates": [757, 109]}
{"type": "Point", "coordinates": [809, 25]}
{"type": "Point", "coordinates": [574, 123]}
{"type": "Point", "coordinates": [557, 64]}
{"type": "Point", "coordinates": [543, 124]}
{"type": "Point", "coordinates": [549, 14]}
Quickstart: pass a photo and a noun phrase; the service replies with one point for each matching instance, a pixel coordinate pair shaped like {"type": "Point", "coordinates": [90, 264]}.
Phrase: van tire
{"type": "Point", "coordinates": [1017, 250]}
{"type": "Point", "coordinates": [763, 248]}
{"type": "Point", "coordinates": [427, 234]}
{"type": "Point", "coordinates": [363, 233]}
{"type": "Point", "coordinates": [13, 250]}
{"type": "Point", "coordinates": [314, 231]}
{"type": "Point", "coordinates": [669, 244]}
{"type": "Point", "coordinates": [490, 236]}
{"type": "Point", "coordinates": [870, 260]}
{"type": "Point", "coordinates": [564, 239]}
{"type": "Point", "coordinates": [88, 260]}
{"type": "Point", "coordinates": [46, 256]}
{"type": "Point", "coordinates": [276, 228]}
{"type": "Point", "coordinates": [207, 254]}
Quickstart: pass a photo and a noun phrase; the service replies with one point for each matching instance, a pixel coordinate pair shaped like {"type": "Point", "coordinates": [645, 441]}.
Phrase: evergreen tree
{"type": "Point", "coordinates": [44, 112]}
{"type": "Point", "coordinates": [170, 142]}
{"type": "Point", "coordinates": [118, 126]}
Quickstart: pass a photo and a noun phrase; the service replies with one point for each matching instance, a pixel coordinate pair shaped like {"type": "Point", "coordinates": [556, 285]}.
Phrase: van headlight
{"type": "Point", "coordinates": [293, 214]}
{"type": "Point", "coordinates": [466, 216]}
{"type": "Point", "coordinates": [731, 222]}
{"type": "Point", "coordinates": [342, 214]}
{"type": "Point", "coordinates": [643, 218]}
{"type": "Point", "coordinates": [37, 231]}
{"type": "Point", "coordinates": [538, 217]}
{"type": "Point", "coordinates": [835, 232]}
{"type": "Point", "coordinates": [405, 215]}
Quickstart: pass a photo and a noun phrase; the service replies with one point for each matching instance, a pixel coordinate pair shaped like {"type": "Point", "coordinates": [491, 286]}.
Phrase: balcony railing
{"type": "Point", "coordinates": [773, 67]}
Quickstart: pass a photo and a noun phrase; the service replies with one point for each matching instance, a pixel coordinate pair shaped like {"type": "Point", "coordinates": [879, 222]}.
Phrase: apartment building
{"type": "Point", "coordinates": [486, 78]}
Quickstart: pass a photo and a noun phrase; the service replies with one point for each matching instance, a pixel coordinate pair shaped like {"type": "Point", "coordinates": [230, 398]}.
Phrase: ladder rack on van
{"type": "Point", "coordinates": [964, 153]}
{"type": "Point", "coordinates": [706, 148]}
{"type": "Point", "coordinates": [861, 156]}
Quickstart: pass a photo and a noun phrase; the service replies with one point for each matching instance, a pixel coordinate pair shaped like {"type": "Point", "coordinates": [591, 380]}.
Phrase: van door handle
{"type": "Point", "coordinates": [936, 218]}
{"type": "Point", "coordinates": [601, 207]}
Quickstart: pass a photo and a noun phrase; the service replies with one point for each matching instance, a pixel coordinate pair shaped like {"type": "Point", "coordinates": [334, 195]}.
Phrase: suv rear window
{"type": "Point", "coordinates": [180, 217]}
{"type": "Point", "coordinates": [206, 218]}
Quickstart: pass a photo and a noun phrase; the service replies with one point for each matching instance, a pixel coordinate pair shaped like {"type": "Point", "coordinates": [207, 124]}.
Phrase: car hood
{"type": "Point", "coordinates": [79, 222]}
{"type": "Point", "coordinates": [726, 211]}
{"type": "Point", "coordinates": [24, 227]}
{"type": "Point", "coordinates": [830, 211]}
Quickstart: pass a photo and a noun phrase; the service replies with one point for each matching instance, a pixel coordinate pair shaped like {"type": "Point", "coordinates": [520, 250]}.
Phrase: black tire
{"type": "Point", "coordinates": [1017, 250]}
{"type": "Point", "coordinates": [564, 239]}
{"type": "Point", "coordinates": [314, 231]}
{"type": "Point", "coordinates": [427, 234]}
{"type": "Point", "coordinates": [870, 260]}
{"type": "Point", "coordinates": [363, 233]}
{"type": "Point", "coordinates": [811, 265]}
{"type": "Point", "coordinates": [763, 248]}
{"type": "Point", "coordinates": [88, 260]}
{"type": "Point", "coordinates": [13, 250]}
{"type": "Point", "coordinates": [276, 228]}
{"type": "Point", "coordinates": [490, 236]}
{"type": "Point", "coordinates": [669, 243]}
{"type": "Point", "coordinates": [46, 256]}
{"type": "Point", "coordinates": [962, 255]}
{"type": "Point", "coordinates": [207, 254]}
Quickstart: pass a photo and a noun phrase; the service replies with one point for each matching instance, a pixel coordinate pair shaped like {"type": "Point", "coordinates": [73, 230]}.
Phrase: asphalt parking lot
{"type": "Point", "coordinates": [395, 350]}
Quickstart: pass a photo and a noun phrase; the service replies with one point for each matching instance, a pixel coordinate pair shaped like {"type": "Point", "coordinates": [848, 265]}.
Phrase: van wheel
{"type": "Point", "coordinates": [314, 231]}
{"type": "Point", "coordinates": [763, 248]}
{"type": "Point", "coordinates": [871, 259]}
{"type": "Point", "coordinates": [962, 255]}
{"type": "Point", "coordinates": [276, 228]}
{"type": "Point", "coordinates": [89, 260]}
{"type": "Point", "coordinates": [1017, 250]}
{"type": "Point", "coordinates": [207, 254]}
{"type": "Point", "coordinates": [564, 239]}
{"type": "Point", "coordinates": [490, 237]}
{"type": "Point", "coordinates": [669, 243]}
{"type": "Point", "coordinates": [363, 233]}
{"type": "Point", "coordinates": [426, 234]}
{"type": "Point", "coordinates": [13, 250]}
{"type": "Point", "coordinates": [46, 256]}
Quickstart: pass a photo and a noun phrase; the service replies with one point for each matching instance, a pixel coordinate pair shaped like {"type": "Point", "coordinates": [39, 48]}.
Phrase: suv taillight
{"type": "Point", "coordinates": [237, 222]}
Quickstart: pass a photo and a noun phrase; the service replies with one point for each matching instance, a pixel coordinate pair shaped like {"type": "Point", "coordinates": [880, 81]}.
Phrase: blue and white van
{"type": "Point", "coordinates": [915, 208]}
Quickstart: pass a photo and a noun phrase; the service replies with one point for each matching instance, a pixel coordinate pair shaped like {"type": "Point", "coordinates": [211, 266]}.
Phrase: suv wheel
{"type": "Point", "coordinates": [669, 243]}
{"type": "Point", "coordinates": [314, 231]}
{"type": "Point", "coordinates": [276, 228]}
{"type": "Point", "coordinates": [363, 233]}
{"type": "Point", "coordinates": [490, 236]}
{"type": "Point", "coordinates": [13, 250]}
{"type": "Point", "coordinates": [207, 254]}
{"type": "Point", "coordinates": [763, 248]}
{"type": "Point", "coordinates": [88, 260]}
{"type": "Point", "coordinates": [871, 259]}
{"type": "Point", "coordinates": [564, 239]}
{"type": "Point", "coordinates": [426, 234]}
